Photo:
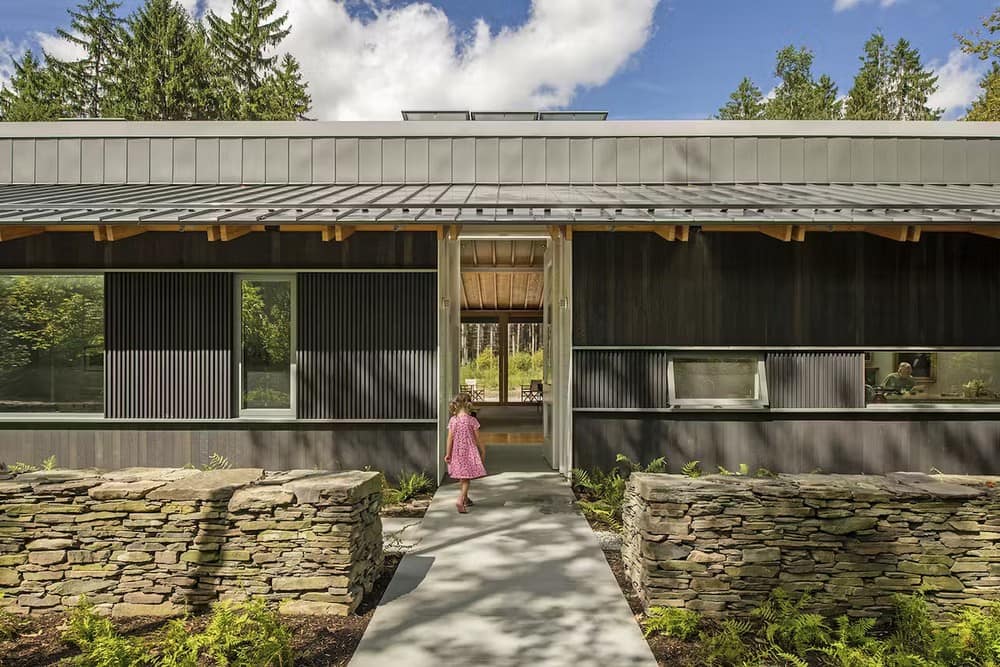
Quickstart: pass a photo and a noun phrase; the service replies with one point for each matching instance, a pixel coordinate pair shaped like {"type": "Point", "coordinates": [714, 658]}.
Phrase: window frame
{"type": "Point", "coordinates": [759, 403]}
{"type": "Point", "coordinates": [69, 416]}
{"type": "Point", "coordinates": [290, 412]}
{"type": "Point", "coordinates": [942, 405]}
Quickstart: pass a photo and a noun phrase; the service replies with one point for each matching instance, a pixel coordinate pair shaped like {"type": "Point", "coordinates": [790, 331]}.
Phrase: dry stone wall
{"type": "Point", "coordinates": [720, 544]}
{"type": "Point", "coordinates": [157, 542]}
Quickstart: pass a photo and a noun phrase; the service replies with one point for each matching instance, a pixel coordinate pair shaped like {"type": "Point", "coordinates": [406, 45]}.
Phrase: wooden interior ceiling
{"type": "Point", "coordinates": [503, 274]}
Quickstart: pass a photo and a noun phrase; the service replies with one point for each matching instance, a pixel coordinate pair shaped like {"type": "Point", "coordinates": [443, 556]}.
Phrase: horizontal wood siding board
{"type": "Point", "coordinates": [869, 444]}
{"type": "Point", "coordinates": [367, 345]}
{"type": "Point", "coordinates": [169, 338]}
{"type": "Point", "coordinates": [192, 250]}
{"type": "Point", "coordinates": [848, 289]}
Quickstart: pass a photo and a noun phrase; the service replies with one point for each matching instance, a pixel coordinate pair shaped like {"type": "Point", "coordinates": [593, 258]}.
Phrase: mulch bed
{"type": "Point", "coordinates": [666, 650]}
{"type": "Point", "coordinates": [316, 640]}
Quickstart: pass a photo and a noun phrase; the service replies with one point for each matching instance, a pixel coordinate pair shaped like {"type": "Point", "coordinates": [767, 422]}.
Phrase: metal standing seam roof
{"type": "Point", "coordinates": [530, 204]}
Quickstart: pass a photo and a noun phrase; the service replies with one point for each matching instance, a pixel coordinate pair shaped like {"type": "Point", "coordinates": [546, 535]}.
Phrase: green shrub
{"type": "Point", "coordinates": [247, 635]}
{"type": "Point", "coordinates": [20, 466]}
{"type": "Point", "coordinates": [692, 469]}
{"type": "Point", "coordinates": [99, 644]}
{"type": "Point", "coordinates": [180, 647]}
{"type": "Point", "coordinates": [410, 486]}
{"type": "Point", "coordinates": [604, 492]}
{"type": "Point", "coordinates": [671, 622]}
{"type": "Point", "coordinates": [788, 627]}
{"type": "Point", "coordinates": [730, 644]}
{"type": "Point", "coordinates": [973, 637]}
{"type": "Point", "coordinates": [49, 463]}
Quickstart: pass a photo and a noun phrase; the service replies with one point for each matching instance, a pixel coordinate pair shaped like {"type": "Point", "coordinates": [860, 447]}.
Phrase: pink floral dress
{"type": "Point", "coordinates": [465, 461]}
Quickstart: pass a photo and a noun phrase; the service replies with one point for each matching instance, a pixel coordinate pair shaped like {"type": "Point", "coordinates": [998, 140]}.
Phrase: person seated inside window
{"type": "Point", "coordinates": [900, 382]}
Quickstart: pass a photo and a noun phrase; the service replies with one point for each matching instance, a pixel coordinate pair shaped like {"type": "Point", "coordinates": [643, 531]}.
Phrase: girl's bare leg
{"type": "Point", "coordinates": [464, 493]}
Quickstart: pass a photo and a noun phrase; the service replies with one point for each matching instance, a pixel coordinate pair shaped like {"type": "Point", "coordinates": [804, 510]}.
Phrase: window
{"type": "Point", "coordinates": [932, 377]}
{"type": "Point", "coordinates": [267, 332]}
{"type": "Point", "coordinates": [52, 344]}
{"type": "Point", "coordinates": [717, 380]}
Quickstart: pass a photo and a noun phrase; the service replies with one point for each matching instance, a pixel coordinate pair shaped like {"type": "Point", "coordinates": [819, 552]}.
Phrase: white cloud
{"type": "Point", "coordinates": [58, 47]}
{"type": "Point", "coordinates": [844, 5]}
{"type": "Point", "coordinates": [9, 51]}
{"type": "Point", "coordinates": [412, 55]}
{"type": "Point", "coordinates": [958, 83]}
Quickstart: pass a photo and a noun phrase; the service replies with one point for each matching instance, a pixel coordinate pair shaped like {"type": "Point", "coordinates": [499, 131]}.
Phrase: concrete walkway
{"type": "Point", "coordinates": [519, 580]}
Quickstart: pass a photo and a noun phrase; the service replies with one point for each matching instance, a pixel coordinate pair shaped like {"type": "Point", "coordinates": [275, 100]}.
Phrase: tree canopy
{"type": "Point", "coordinates": [159, 63]}
{"type": "Point", "coordinates": [891, 84]}
{"type": "Point", "coordinates": [745, 103]}
{"type": "Point", "coordinates": [986, 107]}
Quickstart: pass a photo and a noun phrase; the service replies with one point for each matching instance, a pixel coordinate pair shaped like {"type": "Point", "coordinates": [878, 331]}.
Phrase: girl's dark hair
{"type": "Point", "coordinates": [462, 401]}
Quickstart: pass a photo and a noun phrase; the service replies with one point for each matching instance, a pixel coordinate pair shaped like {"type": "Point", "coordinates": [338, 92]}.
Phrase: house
{"type": "Point", "coordinates": [792, 295]}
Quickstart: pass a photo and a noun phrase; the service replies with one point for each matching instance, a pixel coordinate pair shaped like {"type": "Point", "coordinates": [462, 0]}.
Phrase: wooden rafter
{"type": "Point", "coordinates": [899, 233]}
{"type": "Point", "coordinates": [337, 233]}
{"type": "Point", "coordinates": [784, 232]}
{"type": "Point", "coordinates": [230, 232]}
{"type": "Point", "coordinates": [11, 233]}
{"type": "Point", "coordinates": [119, 232]}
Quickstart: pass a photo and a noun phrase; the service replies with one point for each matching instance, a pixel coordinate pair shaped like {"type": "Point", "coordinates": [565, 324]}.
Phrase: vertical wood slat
{"type": "Point", "coordinates": [367, 345]}
{"type": "Point", "coordinates": [168, 338]}
{"type": "Point", "coordinates": [816, 379]}
{"type": "Point", "coordinates": [620, 379]}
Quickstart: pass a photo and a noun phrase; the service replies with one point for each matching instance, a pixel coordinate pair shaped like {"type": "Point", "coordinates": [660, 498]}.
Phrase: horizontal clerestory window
{"type": "Point", "coordinates": [51, 344]}
{"type": "Point", "coordinates": [929, 377]}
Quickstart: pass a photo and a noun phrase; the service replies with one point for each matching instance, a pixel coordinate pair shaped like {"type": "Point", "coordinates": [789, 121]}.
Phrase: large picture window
{"type": "Point", "coordinates": [717, 380]}
{"type": "Point", "coordinates": [267, 333]}
{"type": "Point", "coordinates": [932, 377]}
{"type": "Point", "coordinates": [52, 343]}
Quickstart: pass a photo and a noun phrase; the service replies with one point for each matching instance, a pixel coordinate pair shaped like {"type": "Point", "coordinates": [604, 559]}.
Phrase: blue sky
{"type": "Point", "coordinates": [660, 59]}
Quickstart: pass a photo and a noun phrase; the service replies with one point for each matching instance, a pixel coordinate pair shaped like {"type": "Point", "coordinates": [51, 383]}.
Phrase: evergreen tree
{"type": "Point", "coordinates": [867, 99]}
{"type": "Point", "coordinates": [891, 85]}
{"type": "Point", "coordinates": [96, 28]}
{"type": "Point", "coordinates": [166, 71]}
{"type": "Point", "coordinates": [799, 96]}
{"type": "Point", "coordinates": [246, 46]}
{"type": "Point", "coordinates": [745, 103]}
{"type": "Point", "coordinates": [987, 106]}
{"type": "Point", "coordinates": [284, 95]}
{"type": "Point", "coordinates": [32, 95]}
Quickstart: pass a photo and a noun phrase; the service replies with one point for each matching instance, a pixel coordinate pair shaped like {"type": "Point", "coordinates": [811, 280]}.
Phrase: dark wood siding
{"type": "Point", "coordinates": [367, 345]}
{"type": "Point", "coordinates": [846, 443]}
{"type": "Point", "coordinates": [620, 379]}
{"type": "Point", "coordinates": [391, 448]}
{"type": "Point", "coordinates": [169, 339]}
{"type": "Point", "coordinates": [842, 289]}
{"type": "Point", "coordinates": [192, 250]}
{"type": "Point", "coordinates": [816, 379]}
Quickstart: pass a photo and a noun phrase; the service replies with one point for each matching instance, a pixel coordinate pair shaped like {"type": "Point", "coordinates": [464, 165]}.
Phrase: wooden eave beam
{"type": "Point", "coordinates": [230, 232]}
{"type": "Point", "coordinates": [337, 232]}
{"type": "Point", "coordinates": [900, 233]}
{"type": "Point", "coordinates": [119, 232]}
{"type": "Point", "coordinates": [671, 232]}
{"type": "Point", "coordinates": [784, 233]}
{"type": "Point", "coordinates": [11, 233]}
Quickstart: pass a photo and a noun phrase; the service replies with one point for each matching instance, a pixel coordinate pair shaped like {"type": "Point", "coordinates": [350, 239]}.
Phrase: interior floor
{"type": "Point", "coordinates": [513, 437]}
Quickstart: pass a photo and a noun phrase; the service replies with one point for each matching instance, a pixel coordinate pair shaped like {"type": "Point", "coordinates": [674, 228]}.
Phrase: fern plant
{"type": "Point", "coordinates": [99, 644]}
{"type": "Point", "coordinates": [671, 622]}
{"type": "Point", "coordinates": [692, 469]}
{"type": "Point", "coordinates": [217, 462]}
{"type": "Point", "coordinates": [49, 463]}
{"type": "Point", "coordinates": [19, 467]}
{"type": "Point", "coordinates": [732, 644]}
{"type": "Point", "coordinates": [247, 635]}
{"type": "Point", "coordinates": [11, 624]}
{"type": "Point", "coordinates": [410, 486]}
{"type": "Point", "coordinates": [788, 627]}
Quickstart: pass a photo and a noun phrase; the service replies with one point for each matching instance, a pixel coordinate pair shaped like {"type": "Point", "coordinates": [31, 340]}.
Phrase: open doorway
{"type": "Point", "coordinates": [502, 355]}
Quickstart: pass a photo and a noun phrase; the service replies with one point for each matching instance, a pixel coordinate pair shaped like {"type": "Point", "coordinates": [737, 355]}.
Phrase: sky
{"type": "Point", "coordinates": [636, 59]}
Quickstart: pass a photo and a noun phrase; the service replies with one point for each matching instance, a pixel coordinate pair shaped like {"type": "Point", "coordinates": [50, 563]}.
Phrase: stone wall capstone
{"type": "Point", "coordinates": [720, 544]}
{"type": "Point", "coordinates": [158, 541]}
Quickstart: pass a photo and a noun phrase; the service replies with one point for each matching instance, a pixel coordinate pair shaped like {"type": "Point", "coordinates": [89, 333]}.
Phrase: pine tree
{"type": "Point", "coordinates": [32, 95]}
{"type": "Point", "coordinates": [987, 106]}
{"type": "Point", "coordinates": [799, 96]}
{"type": "Point", "coordinates": [284, 96]}
{"type": "Point", "coordinates": [745, 103]}
{"type": "Point", "coordinates": [910, 85]}
{"type": "Point", "coordinates": [166, 71]}
{"type": "Point", "coordinates": [96, 27]}
{"type": "Point", "coordinates": [867, 99]}
{"type": "Point", "coordinates": [246, 45]}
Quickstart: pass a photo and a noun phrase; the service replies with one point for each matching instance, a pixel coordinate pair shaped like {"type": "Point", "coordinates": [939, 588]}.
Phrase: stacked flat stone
{"type": "Point", "coordinates": [720, 544]}
{"type": "Point", "coordinates": [158, 542]}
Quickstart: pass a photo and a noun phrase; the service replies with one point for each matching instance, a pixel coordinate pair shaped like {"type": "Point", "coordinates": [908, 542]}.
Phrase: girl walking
{"type": "Point", "coordinates": [466, 453]}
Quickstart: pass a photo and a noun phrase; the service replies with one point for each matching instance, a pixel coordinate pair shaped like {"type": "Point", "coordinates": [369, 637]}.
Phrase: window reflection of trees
{"type": "Point", "coordinates": [51, 343]}
{"type": "Point", "coordinates": [266, 315]}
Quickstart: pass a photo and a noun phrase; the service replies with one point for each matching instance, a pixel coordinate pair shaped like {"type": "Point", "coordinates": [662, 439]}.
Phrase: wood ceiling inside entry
{"type": "Point", "coordinates": [502, 274]}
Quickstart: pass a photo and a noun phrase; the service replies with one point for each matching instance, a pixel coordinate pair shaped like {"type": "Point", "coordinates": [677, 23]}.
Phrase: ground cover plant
{"type": "Point", "coordinates": [410, 486]}
{"type": "Point", "coordinates": [787, 631]}
{"type": "Point", "coordinates": [601, 494]}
